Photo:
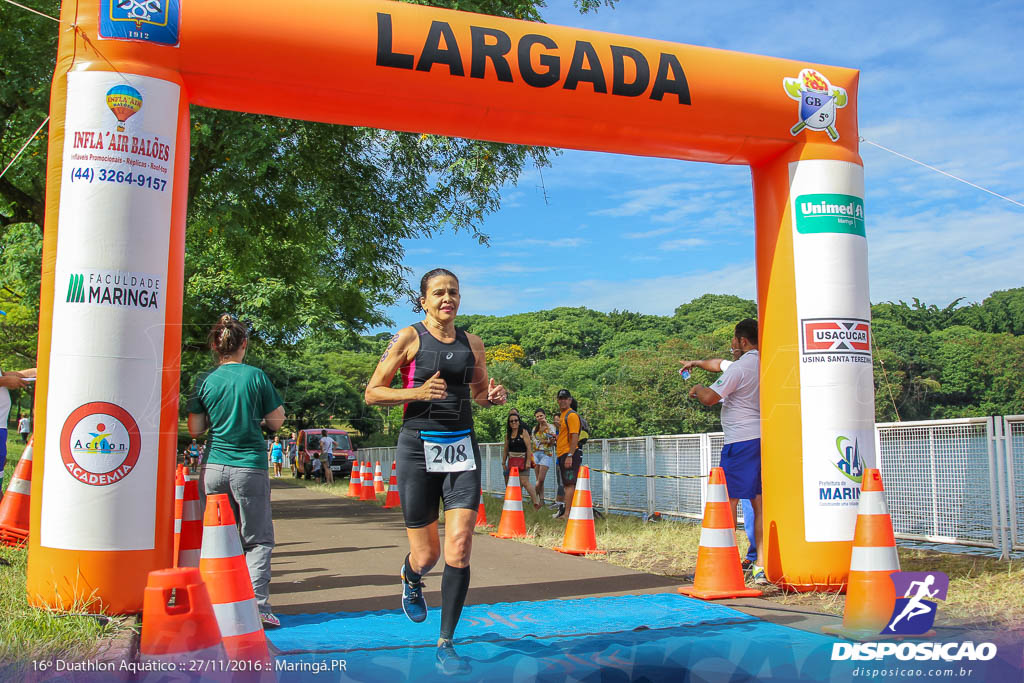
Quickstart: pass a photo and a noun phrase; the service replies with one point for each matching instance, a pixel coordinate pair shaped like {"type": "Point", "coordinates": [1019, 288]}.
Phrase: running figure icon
{"type": "Point", "coordinates": [916, 606]}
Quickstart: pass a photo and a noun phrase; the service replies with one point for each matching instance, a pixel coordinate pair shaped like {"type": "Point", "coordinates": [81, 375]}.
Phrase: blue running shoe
{"type": "Point", "coordinates": [448, 661]}
{"type": "Point", "coordinates": [413, 604]}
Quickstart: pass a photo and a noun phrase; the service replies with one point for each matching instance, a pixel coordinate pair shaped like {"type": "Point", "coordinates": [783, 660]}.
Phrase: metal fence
{"type": "Point", "coordinates": [948, 481]}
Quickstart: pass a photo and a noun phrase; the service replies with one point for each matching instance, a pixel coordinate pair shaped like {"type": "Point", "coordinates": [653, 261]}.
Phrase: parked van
{"type": "Point", "coordinates": [308, 444]}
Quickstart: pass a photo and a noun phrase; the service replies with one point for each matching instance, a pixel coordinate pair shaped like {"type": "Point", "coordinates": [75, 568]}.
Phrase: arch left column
{"type": "Point", "coordinates": [110, 318]}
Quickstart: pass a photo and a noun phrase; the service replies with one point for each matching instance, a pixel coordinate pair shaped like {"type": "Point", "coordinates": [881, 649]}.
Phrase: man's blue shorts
{"type": "Point", "coordinates": [742, 464]}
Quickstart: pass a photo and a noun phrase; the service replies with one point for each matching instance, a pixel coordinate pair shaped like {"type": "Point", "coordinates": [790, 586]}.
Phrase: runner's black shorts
{"type": "Point", "coordinates": [569, 467]}
{"type": "Point", "coordinates": [421, 491]}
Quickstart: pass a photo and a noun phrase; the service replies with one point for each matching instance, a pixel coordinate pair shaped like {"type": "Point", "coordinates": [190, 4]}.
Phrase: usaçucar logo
{"type": "Point", "coordinates": [100, 443]}
{"type": "Point", "coordinates": [818, 100]}
{"type": "Point", "coordinates": [836, 336]}
{"type": "Point", "coordinates": [914, 614]}
{"type": "Point", "coordinates": [153, 21]}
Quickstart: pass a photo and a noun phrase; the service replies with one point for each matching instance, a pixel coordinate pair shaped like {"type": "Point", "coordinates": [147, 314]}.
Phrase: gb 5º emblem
{"type": "Point", "coordinates": [818, 99]}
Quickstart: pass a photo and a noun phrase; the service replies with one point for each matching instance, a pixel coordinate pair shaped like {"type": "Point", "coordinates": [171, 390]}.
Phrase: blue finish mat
{"type": "Point", "coordinates": [662, 637]}
{"type": "Point", "coordinates": [653, 637]}
{"type": "Point", "coordinates": [507, 620]}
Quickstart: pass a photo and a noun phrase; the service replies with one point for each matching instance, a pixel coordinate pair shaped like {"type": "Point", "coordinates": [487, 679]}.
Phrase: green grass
{"type": "Point", "coordinates": [28, 633]}
{"type": "Point", "coordinates": [983, 591]}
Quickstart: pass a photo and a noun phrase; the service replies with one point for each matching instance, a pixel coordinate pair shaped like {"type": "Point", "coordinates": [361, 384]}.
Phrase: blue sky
{"type": "Point", "coordinates": [939, 83]}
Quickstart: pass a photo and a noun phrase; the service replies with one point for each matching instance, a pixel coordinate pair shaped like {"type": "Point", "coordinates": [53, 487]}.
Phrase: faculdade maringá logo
{"type": "Point", "coordinates": [818, 100]}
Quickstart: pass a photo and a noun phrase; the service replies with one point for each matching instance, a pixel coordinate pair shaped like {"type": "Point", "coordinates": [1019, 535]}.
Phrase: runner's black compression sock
{"type": "Point", "coordinates": [410, 575]}
{"type": "Point", "coordinates": [454, 585]}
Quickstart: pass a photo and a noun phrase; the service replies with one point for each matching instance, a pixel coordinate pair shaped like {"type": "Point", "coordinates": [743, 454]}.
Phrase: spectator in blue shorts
{"type": "Point", "coordinates": [738, 390]}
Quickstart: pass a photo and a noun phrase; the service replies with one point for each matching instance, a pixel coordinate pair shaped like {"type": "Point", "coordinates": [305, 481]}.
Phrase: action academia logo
{"type": "Point", "coordinates": [100, 443]}
{"type": "Point", "coordinates": [818, 99]}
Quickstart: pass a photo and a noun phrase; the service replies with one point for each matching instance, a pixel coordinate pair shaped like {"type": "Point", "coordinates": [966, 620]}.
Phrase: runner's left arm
{"type": "Point", "coordinates": [486, 392]}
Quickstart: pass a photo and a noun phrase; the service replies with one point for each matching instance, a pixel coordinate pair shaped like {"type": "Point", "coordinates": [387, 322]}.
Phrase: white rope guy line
{"type": "Point", "coordinates": [27, 143]}
{"type": "Point", "coordinates": [33, 11]}
{"type": "Point", "coordinates": [939, 170]}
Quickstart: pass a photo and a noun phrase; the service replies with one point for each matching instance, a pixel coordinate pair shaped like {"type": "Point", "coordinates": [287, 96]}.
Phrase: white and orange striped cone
{"type": "Point", "coordinates": [189, 533]}
{"type": "Point", "coordinates": [223, 568]}
{"type": "Point", "coordinates": [15, 508]}
{"type": "Point", "coordinates": [719, 573]}
{"type": "Point", "coordinates": [513, 521]}
{"type": "Point", "coordinates": [179, 506]}
{"type": "Point", "coordinates": [393, 499]}
{"type": "Point", "coordinates": [355, 483]}
{"type": "Point", "coordinates": [870, 593]}
{"type": "Point", "coordinates": [481, 514]}
{"type": "Point", "coordinates": [366, 491]}
{"type": "Point", "coordinates": [378, 479]}
{"type": "Point", "coordinates": [580, 536]}
{"type": "Point", "coordinates": [182, 633]}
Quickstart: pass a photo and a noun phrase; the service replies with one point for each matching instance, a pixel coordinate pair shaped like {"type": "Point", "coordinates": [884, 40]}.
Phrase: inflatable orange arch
{"type": "Point", "coordinates": [109, 337]}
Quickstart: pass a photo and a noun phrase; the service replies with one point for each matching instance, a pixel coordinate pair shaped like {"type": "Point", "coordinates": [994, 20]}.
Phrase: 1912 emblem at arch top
{"type": "Point", "coordinates": [818, 100]}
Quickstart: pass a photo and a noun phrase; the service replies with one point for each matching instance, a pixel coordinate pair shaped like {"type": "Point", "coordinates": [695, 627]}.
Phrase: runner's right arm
{"type": "Point", "coordinates": [401, 350]}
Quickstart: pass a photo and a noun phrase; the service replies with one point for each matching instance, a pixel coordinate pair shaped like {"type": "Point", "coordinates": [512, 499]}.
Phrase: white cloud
{"type": "Point", "coordinates": [681, 245]}
{"type": "Point", "coordinates": [649, 233]}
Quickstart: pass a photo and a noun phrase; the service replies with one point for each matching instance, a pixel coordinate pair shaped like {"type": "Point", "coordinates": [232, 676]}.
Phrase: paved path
{"type": "Point", "coordinates": [335, 554]}
{"type": "Point", "coordinates": [340, 555]}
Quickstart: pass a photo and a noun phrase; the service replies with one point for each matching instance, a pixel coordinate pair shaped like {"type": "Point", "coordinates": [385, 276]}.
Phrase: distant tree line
{"type": "Point", "coordinates": [930, 362]}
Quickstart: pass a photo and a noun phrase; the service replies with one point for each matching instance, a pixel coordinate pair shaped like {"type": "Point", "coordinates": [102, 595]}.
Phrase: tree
{"type": "Point", "coordinates": [295, 226]}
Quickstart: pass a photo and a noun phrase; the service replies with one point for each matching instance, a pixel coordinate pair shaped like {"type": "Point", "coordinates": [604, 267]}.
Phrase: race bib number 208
{"type": "Point", "coordinates": [448, 451]}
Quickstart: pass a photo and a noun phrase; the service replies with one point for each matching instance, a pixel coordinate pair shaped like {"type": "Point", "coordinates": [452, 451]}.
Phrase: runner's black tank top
{"type": "Point", "coordinates": [457, 364]}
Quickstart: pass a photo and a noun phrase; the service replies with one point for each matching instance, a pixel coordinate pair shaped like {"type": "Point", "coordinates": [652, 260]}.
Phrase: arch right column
{"type": "Point", "coordinates": [817, 390]}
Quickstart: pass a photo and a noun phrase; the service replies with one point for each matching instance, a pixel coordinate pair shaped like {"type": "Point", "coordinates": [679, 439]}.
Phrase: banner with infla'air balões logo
{"type": "Point", "coordinates": [837, 405]}
{"type": "Point", "coordinates": [109, 309]}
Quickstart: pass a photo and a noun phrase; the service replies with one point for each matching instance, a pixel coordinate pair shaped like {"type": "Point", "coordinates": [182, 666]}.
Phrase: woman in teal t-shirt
{"type": "Point", "coordinates": [234, 401]}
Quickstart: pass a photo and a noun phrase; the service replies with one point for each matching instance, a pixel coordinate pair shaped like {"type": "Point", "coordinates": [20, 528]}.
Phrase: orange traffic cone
{"type": "Point", "coordinates": [186, 631]}
{"type": "Point", "coordinates": [366, 491]}
{"type": "Point", "coordinates": [513, 521]}
{"type": "Point", "coordinates": [179, 506]}
{"type": "Point", "coordinates": [580, 537]}
{"type": "Point", "coordinates": [14, 506]}
{"type": "Point", "coordinates": [870, 594]}
{"type": "Point", "coordinates": [189, 532]}
{"type": "Point", "coordinates": [393, 500]}
{"type": "Point", "coordinates": [481, 515]}
{"type": "Point", "coordinates": [223, 568]}
{"type": "Point", "coordinates": [719, 574]}
{"type": "Point", "coordinates": [355, 485]}
{"type": "Point", "coordinates": [378, 479]}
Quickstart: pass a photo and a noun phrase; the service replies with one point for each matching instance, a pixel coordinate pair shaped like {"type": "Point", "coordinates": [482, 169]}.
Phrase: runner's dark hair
{"type": "Point", "coordinates": [227, 336]}
{"type": "Point", "coordinates": [417, 305]}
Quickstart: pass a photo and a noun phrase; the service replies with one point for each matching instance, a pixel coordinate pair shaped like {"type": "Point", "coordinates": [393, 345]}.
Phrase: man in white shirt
{"type": "Point", "coordinates": [326, 451]}
{"type": "Point", "coordinates": [738, 389]}
{"type": "Point", "coordinates": [24, 428]}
